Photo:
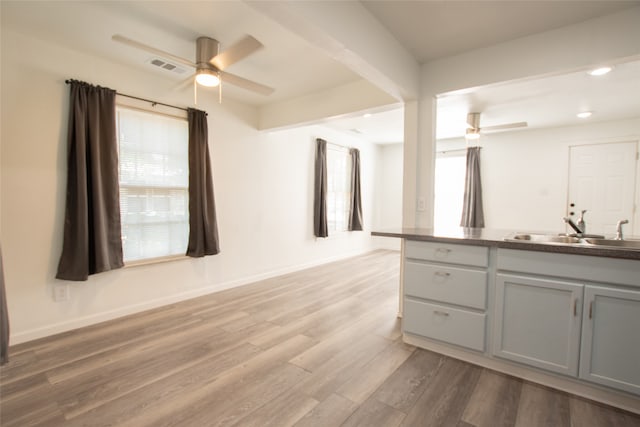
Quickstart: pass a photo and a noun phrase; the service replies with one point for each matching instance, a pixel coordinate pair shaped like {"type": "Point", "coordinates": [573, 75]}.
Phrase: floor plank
{"type": "Point", "coordinates": [585, 413]}
{"type": "Point", "coordinates": [283, 411]}
{"type": "Point", "coordinates": [446, 396]}
{"type": "Point", "coordinates": [332, 411]}
{"type": "Point", "coordinates": [374, 413]}
{"type": "Point", "coordinates": [542, 406]}
{"type": "Point", "coordinates": [217, 394]}
{"type": "Point", "coordinates": [341, 367]}
{"type": "Point", "coordinates": [366, 380]}
{"type": "Point", "coordinates": [408, 382]}
{"type": "Point", "coordinates": [135, 405]}
{"type": "Point", "coordinates": [494, 401]}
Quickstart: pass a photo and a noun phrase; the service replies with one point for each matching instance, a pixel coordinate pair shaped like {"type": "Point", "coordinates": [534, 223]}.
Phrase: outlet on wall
{"type": "Point", "coordinates": [422, 204]}
{"type": "Point", "coordinates": [61, 293]}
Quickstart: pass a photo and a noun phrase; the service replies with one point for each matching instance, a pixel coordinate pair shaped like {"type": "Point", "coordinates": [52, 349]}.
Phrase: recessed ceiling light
{"type": "Point", "coordinates": [584, 114]}
{"type": "Point", "coordinates": [600, 71]}
{"type": "Point", "coordinates": [367, 115]}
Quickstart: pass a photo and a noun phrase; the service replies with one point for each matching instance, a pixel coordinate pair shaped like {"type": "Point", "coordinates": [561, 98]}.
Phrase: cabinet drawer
{"type": "Point", "coordinates": [477, 256]}
{"type": "Point", "coordinates": [574, 267]}
{"type": "Point", "coordinates": [450, 325]}
{"type": "Point", "coordinates": [447, 284]}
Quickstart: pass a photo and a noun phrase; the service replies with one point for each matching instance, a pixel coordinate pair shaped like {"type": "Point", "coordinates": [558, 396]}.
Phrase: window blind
{"type": "Point", "coordinates": [154, 180]}
{"type": "Point", "coordinates": [338, 189]}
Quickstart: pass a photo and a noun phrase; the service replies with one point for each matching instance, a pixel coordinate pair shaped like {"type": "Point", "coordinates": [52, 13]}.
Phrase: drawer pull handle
{"type": "Point", "coordinates": [575, 307]}
{"type": "Point", "coordinates": [440, 313]}
{"type": "Point", "coordinates": [591, 310]}
{"type": "Point", "coordinates": [442, 274]}
{"type": "Point", "coordinates": [443, 250]}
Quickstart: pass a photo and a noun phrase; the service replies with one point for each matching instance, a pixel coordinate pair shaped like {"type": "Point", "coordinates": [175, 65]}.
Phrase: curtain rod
{"type": "Point", "coordinates": [152, 102]}
{"type": "Point", "coordinates": [338, 145]}
{"type": "Point", "coordinates": [454, 151]}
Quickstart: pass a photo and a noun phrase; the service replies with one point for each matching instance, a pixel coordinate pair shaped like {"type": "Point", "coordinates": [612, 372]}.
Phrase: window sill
{"type": "Point", "coordinates": [157, 260]}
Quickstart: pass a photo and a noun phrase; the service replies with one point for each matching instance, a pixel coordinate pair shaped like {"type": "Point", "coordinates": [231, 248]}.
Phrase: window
{"type": "Point", "coordinates": [338, 188]}
{"type": "Point", "coordinates": [449, 192]}
{"type": "Point", "coordinates": [154, 184]}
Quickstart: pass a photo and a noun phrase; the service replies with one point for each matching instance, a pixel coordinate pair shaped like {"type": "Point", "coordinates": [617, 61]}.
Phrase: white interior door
{"type": "Point", "coordinates": [603, 180]}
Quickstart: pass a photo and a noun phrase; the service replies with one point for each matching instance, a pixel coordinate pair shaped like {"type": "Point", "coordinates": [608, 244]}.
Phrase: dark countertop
{"type": "Point", "coordinates": [489, 237]}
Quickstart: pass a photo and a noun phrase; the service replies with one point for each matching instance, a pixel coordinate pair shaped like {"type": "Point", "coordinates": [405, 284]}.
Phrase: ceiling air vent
{"type": "Point", "coordinates": [161, 63]}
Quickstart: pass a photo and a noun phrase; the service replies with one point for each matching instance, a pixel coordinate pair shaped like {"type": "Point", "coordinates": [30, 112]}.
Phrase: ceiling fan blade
{"type": "Point", "coordinates": [184, 83]}
{"type": "Point", "coordinates": [246, 84]}
{"type": "Point", "coordinates": [142, 46]}
{"type": "Point", "coordinates": [236, 52]}
{"type": "Point", "coordinates": [504, 127]}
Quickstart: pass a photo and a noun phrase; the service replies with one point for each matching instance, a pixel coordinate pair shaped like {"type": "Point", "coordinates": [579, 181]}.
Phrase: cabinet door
{"type": "Point", "coordinates": [610, 353]}
{"type": "Point", "coordinates": [538, 322]}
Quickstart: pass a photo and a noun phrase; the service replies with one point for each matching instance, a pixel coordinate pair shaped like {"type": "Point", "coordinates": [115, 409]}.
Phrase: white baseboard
{"type": "Point", "coordinates": [69, 325]}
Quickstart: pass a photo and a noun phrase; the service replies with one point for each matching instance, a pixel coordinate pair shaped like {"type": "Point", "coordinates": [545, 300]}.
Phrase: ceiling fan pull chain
{"type": "Point", "coordinates": [195, 92]}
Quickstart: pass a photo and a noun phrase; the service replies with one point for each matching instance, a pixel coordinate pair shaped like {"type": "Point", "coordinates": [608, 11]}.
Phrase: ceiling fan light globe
{"type": "Point", "coordinates": [472, 135]}
{"type": "Point", "coordinates": [207, 78]}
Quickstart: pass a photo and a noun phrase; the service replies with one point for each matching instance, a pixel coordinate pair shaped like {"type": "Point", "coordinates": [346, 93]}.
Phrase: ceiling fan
{"type": "Point", "coordinates": [474, 129]}
{"type": "Point", "coordinates": [210, 63]}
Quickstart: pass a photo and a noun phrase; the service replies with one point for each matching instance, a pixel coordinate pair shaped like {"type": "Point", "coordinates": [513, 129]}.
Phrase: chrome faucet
{"type": "Point", "coordinates": [619, 228]}
{"type": "Point", "coordinates": [581, 224]}
{"type": "Point", "coordinates": [573, 225]}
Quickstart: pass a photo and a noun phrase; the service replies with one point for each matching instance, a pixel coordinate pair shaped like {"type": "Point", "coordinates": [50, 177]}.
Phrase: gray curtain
{"type": "Point", "coordinates": [203, 226]}
{"type": "Point", "coordinates": [320, 228]}
{"type": "Point", "coordinates": [472, 211]}
{"type": "Point", "coordinates": [355, 211]}
{"type": "Point", "coordinates": [92, 235]}
{"type": "Point", "coordinates": [4, 319]}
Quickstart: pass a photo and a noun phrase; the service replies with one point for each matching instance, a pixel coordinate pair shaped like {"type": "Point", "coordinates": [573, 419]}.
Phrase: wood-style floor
{"type": "Point", "coordinates": [320, 347]}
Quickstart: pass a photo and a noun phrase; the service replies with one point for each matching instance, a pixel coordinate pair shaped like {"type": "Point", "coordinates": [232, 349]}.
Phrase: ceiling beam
{"type": "Point", "coordinates": [350, 34]}
{"type": "Point", "coordinates": [315, 107]}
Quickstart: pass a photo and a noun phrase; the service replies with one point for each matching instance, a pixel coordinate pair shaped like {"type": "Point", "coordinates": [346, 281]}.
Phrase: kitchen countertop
{"type": "Point", "coordinates": [492, 237]}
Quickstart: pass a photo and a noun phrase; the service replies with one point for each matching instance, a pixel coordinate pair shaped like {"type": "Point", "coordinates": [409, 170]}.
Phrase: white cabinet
{"type": "Point", "coordinates": [569, 321]}
{"type": "Point", "coordinates": [610, 353]}
{"type": "Point", "coordinates": [445, 292]}
{"type": "Point", "coordinates": [537, 322]}
{"type": "Point", "coordinates": [584, 322]}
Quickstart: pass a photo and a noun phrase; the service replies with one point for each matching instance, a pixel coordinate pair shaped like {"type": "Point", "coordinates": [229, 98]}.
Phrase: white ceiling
{"type": "Point", "coordinates": [436, 29]}
{"type": "Point", "coordinates": [286, 63]}
{"type": "Point", "coordinates": [378, 127]}
{"type": "Point", "coordinates": [428, 29]}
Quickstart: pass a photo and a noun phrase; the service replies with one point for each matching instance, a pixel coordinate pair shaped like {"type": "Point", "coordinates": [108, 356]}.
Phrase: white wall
{"type": "Point", "coordinates": [525, 173]}
{"type": "Point", "coordinates": [263, 188]}
{"type": "Point", "coordinates": [389, 193]}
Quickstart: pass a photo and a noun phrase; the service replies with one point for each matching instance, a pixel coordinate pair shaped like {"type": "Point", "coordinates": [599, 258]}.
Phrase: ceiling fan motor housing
{"type": "Point", "coordinates": [473, 121]}
{"type": "Point", "coordinates": [206, 48]}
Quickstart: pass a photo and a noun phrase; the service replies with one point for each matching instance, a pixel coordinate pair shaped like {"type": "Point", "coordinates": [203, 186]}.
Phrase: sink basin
{"type": "Point", "coordinates": [544, 238]}
{"type": "Point", "coordinates": [626, 244]}
{"type": "Point", "coordinates": [563, 239]}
